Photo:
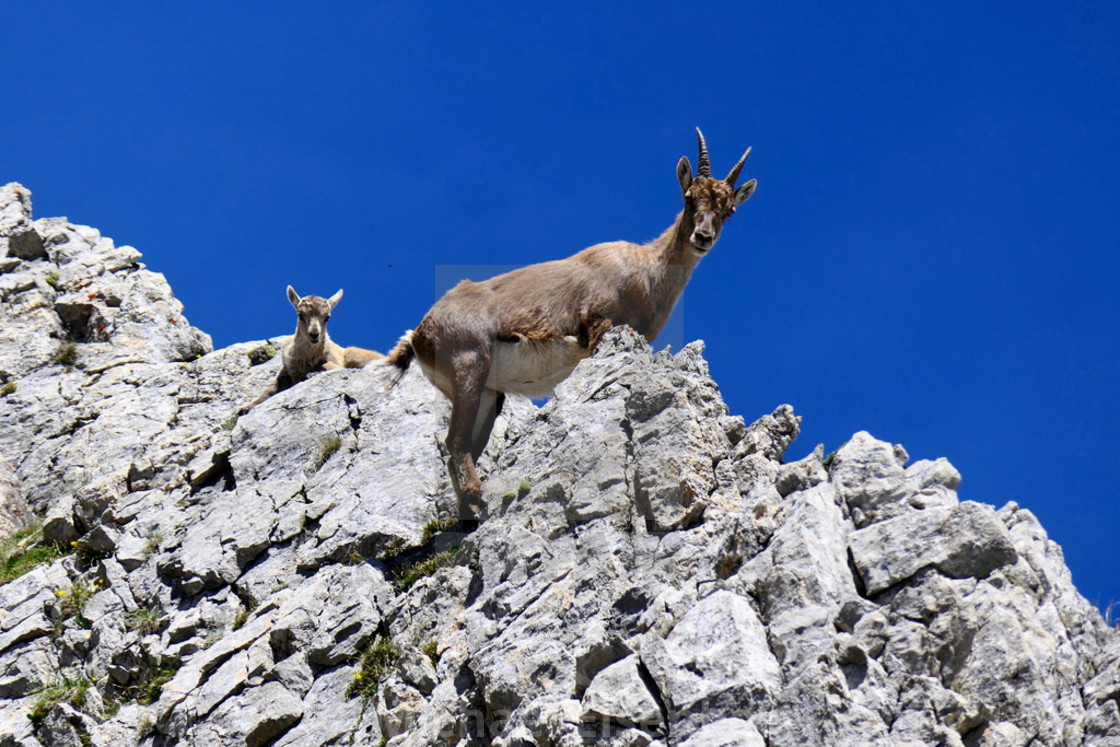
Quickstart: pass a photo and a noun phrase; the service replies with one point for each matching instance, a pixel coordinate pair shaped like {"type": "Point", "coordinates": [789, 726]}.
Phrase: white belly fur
{"type": "Point", "coordinates": [533, 369]}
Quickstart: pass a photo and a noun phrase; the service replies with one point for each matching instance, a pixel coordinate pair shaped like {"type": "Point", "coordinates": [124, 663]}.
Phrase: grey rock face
{"type": "Point", "coordinates": [652, 572]}
{"type": "Point", "coordinates": [716, 658]}
{"type": "Point", "coordinates": [966, 540]}
{"type": "Point", "coordinates": [14, 511]}
{"type": "Point", "coordinates": [728, 732]}
{"type": "Point", "coordinates": [618, 693]}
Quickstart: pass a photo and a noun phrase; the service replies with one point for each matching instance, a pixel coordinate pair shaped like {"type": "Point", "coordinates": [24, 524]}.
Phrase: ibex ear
{"type": "Point", "coordinates": [333, 300]}
{"type": "Point", "coordinates": [684, 173]}
{"type": "Point", "coordinates": [293, 298]}
{"type": "Point", "coordinates": [743, 193]}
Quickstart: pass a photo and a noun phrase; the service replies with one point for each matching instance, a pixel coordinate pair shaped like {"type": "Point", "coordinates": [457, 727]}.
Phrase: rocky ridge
{"type": "Point", "coordinates": [651, 573]}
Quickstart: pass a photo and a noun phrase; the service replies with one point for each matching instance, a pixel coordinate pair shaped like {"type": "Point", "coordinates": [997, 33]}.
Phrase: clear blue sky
{"type": "Point", "coordinates": [931, 254]}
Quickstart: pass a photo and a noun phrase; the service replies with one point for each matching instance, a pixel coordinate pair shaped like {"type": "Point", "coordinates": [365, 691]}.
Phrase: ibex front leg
{"type": "Point", "coordinates": [593, 327]}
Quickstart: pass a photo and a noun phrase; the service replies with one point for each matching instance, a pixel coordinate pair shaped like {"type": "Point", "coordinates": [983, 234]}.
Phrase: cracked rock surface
{"type": "Point", "coordinates": [651, 571]}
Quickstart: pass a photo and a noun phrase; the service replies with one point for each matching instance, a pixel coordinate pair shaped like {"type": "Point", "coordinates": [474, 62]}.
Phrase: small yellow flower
{"type": "Point", "coordinates": [357, 675]}
{"type": "Point", "coordinates": [60, 592]}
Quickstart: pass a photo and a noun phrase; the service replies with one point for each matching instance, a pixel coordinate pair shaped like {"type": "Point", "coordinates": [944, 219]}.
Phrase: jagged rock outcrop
{"type": "Point", "coordinates": [651, 572]}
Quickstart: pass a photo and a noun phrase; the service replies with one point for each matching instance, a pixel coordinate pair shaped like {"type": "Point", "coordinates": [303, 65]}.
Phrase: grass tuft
{"type": "Point", "coordinates": [21, 553]}
{"type": "Point", "coordinates": [374, 666]}
{"type": "Point", "coordinates": [405, 577]}
{"type": "Point", "coordinates": [522, 490]}
{"type": "Point", "coordinates": [261, 354]}
{"type": "Point", "coordinates": [151, 542]}
{"type": "Point", "coordinates": [434, 527]}
{"type": "Point", "coordinates": [327, 449]}
{"type": "Point", "coordinates": [431, 650]}
{"type": "Point", "coordinates": [72, 602]}
{"type": "Point", "coordinates": [67, 690]}
{"type": "Point", "coordinates": [111, 708]}
{"type": "Point", "coordinates": [66, 354]}
{"type": "Point", "coordinates": [145, 620]}
{"type": "Point", "coordinates": [154, 686]}
{"type": "Point", "coordinates": [150, 687]}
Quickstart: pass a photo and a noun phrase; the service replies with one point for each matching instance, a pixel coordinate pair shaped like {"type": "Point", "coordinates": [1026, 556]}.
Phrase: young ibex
{"type": "Point", "coordinates": [524, 331]}
{"type": "Point", "coordinates": [311, 349]}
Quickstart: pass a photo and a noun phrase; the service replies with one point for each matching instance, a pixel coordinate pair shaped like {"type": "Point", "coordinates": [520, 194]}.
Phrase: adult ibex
{"type": "Point", "coordinates": [311, 349]}
{"type": "Point", "coordinates": [524, 331]}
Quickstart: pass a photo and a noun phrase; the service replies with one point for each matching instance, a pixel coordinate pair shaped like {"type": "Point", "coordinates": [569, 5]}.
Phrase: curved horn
{"type": "Point", "coordinates": [703, 168]}
{"type": "Point", "coordinates": [734, 175]}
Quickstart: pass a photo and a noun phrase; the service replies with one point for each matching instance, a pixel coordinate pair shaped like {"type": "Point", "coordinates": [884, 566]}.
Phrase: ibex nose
{"type": "Point", "coordinates": [703, 239]}
{"type": "Point", "coordinates": [704, 234]}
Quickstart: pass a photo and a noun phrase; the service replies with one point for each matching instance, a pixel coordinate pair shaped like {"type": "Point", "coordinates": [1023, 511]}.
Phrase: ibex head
{"type": "Point", "coordinates": [711, 202]}
{"type": "Point", "coordinates": [314, 312]}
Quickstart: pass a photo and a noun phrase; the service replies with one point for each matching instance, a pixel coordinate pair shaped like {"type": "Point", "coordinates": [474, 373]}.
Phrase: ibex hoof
{"type": "Point", "coordinates": [470, 509]}
{"type": "Point", "coordinates": [467, 526]}
{"type": "Point", "coordinates": [468, 488]}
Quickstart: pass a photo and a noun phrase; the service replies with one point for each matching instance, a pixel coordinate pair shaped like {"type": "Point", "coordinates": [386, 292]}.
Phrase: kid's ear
{"type": "Point", "coordinates": [333, 300]}
{"type": "Point", "coordinates": [293, 297]}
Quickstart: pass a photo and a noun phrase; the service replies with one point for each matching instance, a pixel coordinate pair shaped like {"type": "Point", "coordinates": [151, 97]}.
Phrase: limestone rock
{"type": "Point", "coordinates": [619, 693]}
{"type": "Point", "coordinates": [651, 574]}
{"type": "Point", "coordinates": [14, 511]}
{"type": "Point", "coordinates": [965, 540]}
{"type": "Point", "coordinates": [716, 659]}
{"type": "Point", "coordinates": [728, 732]}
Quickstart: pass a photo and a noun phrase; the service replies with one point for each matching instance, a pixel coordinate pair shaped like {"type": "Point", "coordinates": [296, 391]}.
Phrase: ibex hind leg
{"type": "Point", "coordinates": [489, 408]}
{"type": "Point", "coordinates": [468, 490]}
{"type": "Point", "coordinates": [468, 486]}
{"type": "Point", "coordinates": [461, 436]}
